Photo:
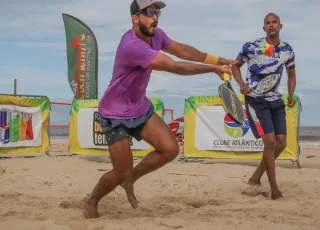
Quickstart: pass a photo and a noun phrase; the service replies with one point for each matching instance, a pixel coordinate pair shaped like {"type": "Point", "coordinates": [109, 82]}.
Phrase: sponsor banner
{"type": "Point", "coordinates": [23, 123]}
{"type": "Point", "coordinates": [82, 57]}
{"type": "Point", "coordinates": [222, 133]}
{"type": "Point", "coordinates": [93, 129]}
{"type": "Point", "coordinates": [86, 135]}
{"type": "Point", "coordinates": [210, 133]}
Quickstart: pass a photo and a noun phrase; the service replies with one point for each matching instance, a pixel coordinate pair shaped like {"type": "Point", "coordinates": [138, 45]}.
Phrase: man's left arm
{"type": "Point", "coordinates": [291, 72]}
{"type": "Point", "coordinates": [190, 53]}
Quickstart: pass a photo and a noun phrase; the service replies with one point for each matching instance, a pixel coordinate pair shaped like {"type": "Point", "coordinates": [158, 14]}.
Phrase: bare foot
{"type": "Point", "coordinates": [254, 182]}
{"type": "Point", "coordinates": [128, 187]}
{"type": "Point", "coordinates": [133, 201]}
{"type": "Point", "coordinates": [90, 211]}
{"type": "Point", "coordinates": [276, 195]}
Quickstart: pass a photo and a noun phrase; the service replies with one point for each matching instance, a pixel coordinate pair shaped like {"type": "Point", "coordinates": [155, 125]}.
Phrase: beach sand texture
{"type": "Point", "coordinates": [46, 193]}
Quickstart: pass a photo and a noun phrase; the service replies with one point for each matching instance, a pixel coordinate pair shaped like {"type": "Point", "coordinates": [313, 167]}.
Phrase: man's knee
{"type": "Point", "coordinates": [126, 175]}
{"type": "Point", "coordinates": [281, 142]}
{"type": "Point", "coordinates": [170, 151]}
{"type": "Point", "coordinates": [269, 142]}
{"type": "Point", "coordinates": [122, 168]}
{"type": "Point", "coordinates": [123, 174]}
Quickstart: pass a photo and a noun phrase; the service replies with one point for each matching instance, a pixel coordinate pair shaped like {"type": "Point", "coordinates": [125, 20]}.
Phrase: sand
{"type": "Point", "coordinates": [46, 193]}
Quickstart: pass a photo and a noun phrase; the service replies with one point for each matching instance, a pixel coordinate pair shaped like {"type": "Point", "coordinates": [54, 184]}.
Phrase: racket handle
{"type": "Point", "coordinates": [226, 77]}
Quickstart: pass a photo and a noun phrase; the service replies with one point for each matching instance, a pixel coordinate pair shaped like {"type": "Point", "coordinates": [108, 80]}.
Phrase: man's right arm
{"type": "Point", "coordinates": [138, 53]}
{"type": "Point", "coordinates": [190, 53]}
{"type": "Point", "coordinates": [241, 59]}
{"type": "Point", "coordinates": [163, 62]}
{"type": "Point", "coordinates": [235, 68]}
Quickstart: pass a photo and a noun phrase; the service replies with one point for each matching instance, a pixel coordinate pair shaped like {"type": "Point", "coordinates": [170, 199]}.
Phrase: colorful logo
{"type": "Point", "coordinates": [15, 126]}
{"type": "Point", "coordinates": [235, 130]}
{"type": "Point", "coordinates": [80, 44]}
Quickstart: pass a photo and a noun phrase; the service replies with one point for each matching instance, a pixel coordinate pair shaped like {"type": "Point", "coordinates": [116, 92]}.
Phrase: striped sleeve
{"type": "Point", "coordinates": [290, 63]}
{"type": "Point", "coordinates": [244, 53]}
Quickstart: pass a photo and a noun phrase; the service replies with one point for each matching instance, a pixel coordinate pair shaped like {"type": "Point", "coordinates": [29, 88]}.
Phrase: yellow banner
{"type": "Point", "coordinates": [23, 124]}
{"type": "Point", "coordinates": [85, 136]}
{"type": "Point", "coordinates": [209, 132]}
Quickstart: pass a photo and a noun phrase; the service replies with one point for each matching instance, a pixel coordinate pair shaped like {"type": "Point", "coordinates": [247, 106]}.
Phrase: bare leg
{"type": "Point", "coordinates": [280, 146]}
{"type": "Point", "coordinates": [156, 133]}
{"type": "Point", "coordinates": [269, 162]}
{"type": "Point", "coordinates": [121, 157]}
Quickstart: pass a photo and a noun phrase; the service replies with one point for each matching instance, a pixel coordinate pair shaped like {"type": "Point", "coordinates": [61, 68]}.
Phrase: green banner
{"type": "Point", "coordinates": [82, 56]}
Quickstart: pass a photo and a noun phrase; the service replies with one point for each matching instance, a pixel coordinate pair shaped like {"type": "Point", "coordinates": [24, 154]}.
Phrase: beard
{"type": "Point", "coordinates": [145, 30]}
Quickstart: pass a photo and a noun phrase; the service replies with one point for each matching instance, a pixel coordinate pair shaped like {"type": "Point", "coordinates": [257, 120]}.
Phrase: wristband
{"type": "Point", "coordinates": [211, 59]}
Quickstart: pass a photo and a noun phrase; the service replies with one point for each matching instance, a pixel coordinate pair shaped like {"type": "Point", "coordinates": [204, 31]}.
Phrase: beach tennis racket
{"type": "Point", "coordinates": [265, 85]}
{"type": "Point", "coordinates": [230, 101]}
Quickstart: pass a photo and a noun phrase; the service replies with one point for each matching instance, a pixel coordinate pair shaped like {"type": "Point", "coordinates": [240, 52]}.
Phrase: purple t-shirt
{"type": "Point", "coordinates": [126, 95]}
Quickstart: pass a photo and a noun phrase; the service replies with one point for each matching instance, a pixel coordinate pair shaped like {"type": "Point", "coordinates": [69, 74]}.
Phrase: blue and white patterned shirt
{"type": "Point", "coordinates": [261, 65]}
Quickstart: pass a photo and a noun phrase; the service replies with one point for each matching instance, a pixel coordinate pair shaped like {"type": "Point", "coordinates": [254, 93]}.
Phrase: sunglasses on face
{"type": "Point", "coordinates": [149, 12]}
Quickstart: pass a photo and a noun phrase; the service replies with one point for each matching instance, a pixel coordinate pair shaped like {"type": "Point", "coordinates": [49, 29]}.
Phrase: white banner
{"type": "Point", "coordinates": [90, 135]}
{"type": "Point", "coordinates": [214, 130]}
{"type": "Point", "coordinates": [20, 126]}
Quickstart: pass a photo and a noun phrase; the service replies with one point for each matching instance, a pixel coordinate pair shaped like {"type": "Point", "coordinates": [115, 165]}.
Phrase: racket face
{"type": "Point", "coordinates": [231, 104]}
{"type": "Point", "coordinates": [266, 84]}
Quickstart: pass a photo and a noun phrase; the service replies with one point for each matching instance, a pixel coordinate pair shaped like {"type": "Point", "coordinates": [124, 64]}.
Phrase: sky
{"type": "Point", "coordinates": [33, 44]}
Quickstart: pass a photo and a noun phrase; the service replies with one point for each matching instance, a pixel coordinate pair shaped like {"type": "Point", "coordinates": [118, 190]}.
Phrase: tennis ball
{"type": "Point", "coordinates": [267, 49]}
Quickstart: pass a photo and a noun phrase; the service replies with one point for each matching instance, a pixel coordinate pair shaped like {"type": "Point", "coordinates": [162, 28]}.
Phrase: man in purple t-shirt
{"type": "Point", "coordinates": [126, 111]}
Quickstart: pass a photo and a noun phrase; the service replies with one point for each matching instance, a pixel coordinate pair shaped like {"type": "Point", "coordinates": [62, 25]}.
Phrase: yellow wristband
{"type": "Point", "coordinates": [211, 59]}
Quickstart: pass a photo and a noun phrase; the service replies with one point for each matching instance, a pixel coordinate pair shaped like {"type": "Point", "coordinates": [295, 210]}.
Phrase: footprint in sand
{"type": "Point", "coordinates": [254, 191]}
{"type": "Point", "coordinates": [2, 170]}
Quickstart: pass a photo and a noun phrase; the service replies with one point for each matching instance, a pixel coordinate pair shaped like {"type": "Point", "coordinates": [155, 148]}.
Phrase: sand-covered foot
{"type": "Point", "coordinates": [254, 182]}
{"type": "Point", "coordinates": [128, 187]}
{"type": "Point", "coordinates": [275, 195]}
{"type": "Point", "coordinates": [90, 211]}
{"type": "Point", "coordinates": [133, 201]}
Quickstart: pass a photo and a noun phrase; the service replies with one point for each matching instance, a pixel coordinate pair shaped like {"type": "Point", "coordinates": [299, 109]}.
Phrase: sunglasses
{"type": "Point", "coordinates": [149, 12]}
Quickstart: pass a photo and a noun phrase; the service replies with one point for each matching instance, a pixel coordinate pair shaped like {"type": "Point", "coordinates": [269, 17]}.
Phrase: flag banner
{"type": "Point", "coordinates": [82, 57]}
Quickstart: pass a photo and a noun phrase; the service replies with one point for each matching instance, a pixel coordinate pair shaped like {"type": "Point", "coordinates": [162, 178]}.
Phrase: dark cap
{"type": "Point", "coordinates": [138, 5]}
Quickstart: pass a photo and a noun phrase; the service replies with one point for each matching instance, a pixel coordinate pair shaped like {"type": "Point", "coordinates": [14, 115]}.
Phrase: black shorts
{"type": "Point", "coordinates": [266, 116]}
{"type": "Point", "coordinates": [116, 129]}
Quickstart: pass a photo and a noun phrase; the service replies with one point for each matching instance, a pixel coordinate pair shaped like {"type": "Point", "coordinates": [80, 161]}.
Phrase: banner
{"type": "Point", "coordinates": [86, 137]}
{"type": "Point", "coordinates": [82, 56]}
{"type": "Point", "coordinates": [210, 133]}
{"type": "Point", "coordinates": [23, 123]}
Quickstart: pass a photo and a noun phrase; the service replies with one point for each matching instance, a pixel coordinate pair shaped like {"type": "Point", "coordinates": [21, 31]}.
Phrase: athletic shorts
{"type": "Point", "coordinates": [116, 129]}
{"type": "Point", "coordinates": [266, 116]}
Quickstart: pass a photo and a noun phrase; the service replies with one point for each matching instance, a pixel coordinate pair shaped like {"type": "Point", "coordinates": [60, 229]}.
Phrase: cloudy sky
{"type": "Point", "coordinates": [33, 47]}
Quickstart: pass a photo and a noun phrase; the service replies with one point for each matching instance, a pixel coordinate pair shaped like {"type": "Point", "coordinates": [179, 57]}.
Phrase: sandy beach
{"type": "Point", "coordinates": [46, 193]}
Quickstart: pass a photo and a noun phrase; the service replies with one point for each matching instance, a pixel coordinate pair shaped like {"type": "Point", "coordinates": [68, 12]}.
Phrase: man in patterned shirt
{"type": "Point", "coordinates": [266, 113]}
